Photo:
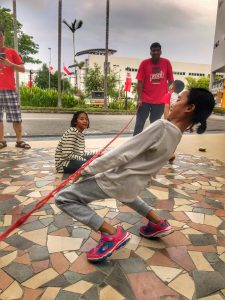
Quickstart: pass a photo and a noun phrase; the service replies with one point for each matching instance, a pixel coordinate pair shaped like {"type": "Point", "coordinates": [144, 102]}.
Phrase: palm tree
{"type": "Point", "coordinates": [106, 67]}
{"type": "Point", "coordinates": [74, 26]}
{"type": "Point", "coordinates": [59, 52]}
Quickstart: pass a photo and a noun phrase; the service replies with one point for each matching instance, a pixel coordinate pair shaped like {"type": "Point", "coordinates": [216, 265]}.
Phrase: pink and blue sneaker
{"type": "Point", "coordinates": [108, 244]}
{"type": "Point", "coordinates": [153, 230]}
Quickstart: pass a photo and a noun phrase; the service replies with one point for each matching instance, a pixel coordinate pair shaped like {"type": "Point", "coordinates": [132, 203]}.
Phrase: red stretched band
{"type": "Point", "coordinates": [21, 220]}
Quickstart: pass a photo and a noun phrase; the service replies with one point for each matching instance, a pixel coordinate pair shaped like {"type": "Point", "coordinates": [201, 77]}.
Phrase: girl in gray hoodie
{"type": "Point", "coordinates": [124, 172]}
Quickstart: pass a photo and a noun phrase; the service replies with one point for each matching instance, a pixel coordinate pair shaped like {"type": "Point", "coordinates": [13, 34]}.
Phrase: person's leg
{"type": "Point", "coordinates": [1, 116]}
{"type": "Point", "coordinates": [13, 115]}
{"type": "Point", "coordinates": [142, 115]}
{"type": "Point", "coordinates": [1, 131]}
{"type": "Point", "coordinates": [156, 226]}
{"type": "Point", "coordinates": [73, 166]}
{"type": "Point", "coordinates": [156, 112]}
{"type": "Point", "coordinates": [17, 126]}
{"type": "Point", "coordinates": [74, 201]}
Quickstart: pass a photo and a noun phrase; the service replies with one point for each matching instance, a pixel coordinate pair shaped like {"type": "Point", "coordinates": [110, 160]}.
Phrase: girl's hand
{"type": "Point", "coordinates": [77, 177]}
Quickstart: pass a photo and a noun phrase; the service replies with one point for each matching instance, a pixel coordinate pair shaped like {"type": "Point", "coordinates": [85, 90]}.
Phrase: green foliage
{"type": "Point", "coordinates": [219, 110]}
{"type": "Point", "coordinates": [26, 45]}
{"type": "Point", "coordinates": [94, 81]}
{"type": "Point", "coordinates": [42, 79]}
{"type": "Point", "coordinates": [38, 97]}
{"type": "Point", "coordinates": [118, 105]}
{"type": "Point", "coordinates": [202, 82]}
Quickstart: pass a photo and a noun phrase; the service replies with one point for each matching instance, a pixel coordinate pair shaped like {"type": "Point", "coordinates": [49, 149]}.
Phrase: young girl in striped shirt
{"type": "Point", "coordinates": [70, 153]}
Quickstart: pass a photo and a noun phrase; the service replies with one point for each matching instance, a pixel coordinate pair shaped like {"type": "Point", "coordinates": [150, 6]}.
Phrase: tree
{"type": "Point", "coordinates": [202, 82]}
{"type": "Point", "coordinates": [41, 79]}
{"type": "Point", "coordinates": [27, 47]}
{"type": "Point", "coordinates": [94, 81]}
{"type": "Point", "coordinates": [75, 25]}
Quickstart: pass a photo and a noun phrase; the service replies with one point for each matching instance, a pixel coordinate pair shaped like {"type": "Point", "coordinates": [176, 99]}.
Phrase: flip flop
{"type": "Point", "coordinates": [3, 144]}
{"type": "Point", "coordinates": [23, 145]}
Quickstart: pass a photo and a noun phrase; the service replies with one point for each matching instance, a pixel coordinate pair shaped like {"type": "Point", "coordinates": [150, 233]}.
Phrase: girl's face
{"type": "Point", "coordinates": [82, 122]}
{"type": "Point", "coordinates": [179, 108]}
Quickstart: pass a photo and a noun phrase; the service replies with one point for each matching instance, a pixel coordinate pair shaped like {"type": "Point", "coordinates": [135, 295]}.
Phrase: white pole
{"type": "Point", "coordinates": [49, 70]}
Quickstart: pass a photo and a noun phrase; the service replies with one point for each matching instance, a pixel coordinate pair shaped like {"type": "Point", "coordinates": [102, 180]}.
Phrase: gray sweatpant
{"type": "Point", "coordinates": [74, 200]}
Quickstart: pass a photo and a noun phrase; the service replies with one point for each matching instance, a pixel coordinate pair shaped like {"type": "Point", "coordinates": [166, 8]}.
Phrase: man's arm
{"type": "Point", "coordinates": [166, 110]}
{"type": "Point", "coordinates": [139, 91]}
{"type": "Point", "coordinates": [7, 63]}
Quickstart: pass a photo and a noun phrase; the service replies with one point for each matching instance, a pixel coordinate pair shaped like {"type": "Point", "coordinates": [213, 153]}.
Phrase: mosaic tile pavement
{"type": "Point", "coordinates": [45, 257]}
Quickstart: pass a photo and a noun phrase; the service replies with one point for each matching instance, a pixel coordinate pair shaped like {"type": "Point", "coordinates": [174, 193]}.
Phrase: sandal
{"type": "Point", "coordinates": [23, 145]}
{"type": "Point", "coordinates": [3, 144]}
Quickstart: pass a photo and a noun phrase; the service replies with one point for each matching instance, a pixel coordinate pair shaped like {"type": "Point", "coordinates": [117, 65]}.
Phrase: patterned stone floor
{"type": "Point", "coordinates": [45, 258]}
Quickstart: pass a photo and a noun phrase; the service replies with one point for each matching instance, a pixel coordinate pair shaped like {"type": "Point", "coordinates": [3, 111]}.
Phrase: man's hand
{"type": "Point", "coordinates": [6, 62]}
{"type": "Point", "coordinates": [139, 103]}
{"type": "Point", "coordinates": [77, 177]}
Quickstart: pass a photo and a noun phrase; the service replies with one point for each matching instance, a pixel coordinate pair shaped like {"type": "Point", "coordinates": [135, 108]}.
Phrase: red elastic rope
{"type": "Point", "coordinates": [21, 220]}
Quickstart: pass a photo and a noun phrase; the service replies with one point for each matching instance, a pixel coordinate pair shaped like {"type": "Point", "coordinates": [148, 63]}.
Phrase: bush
{"type": "Point", "coordinates": [38, 97]}
{"type": "Point", "coordinates": [219, 110]}
{"type": "Point", "coordinates": [121, 104]}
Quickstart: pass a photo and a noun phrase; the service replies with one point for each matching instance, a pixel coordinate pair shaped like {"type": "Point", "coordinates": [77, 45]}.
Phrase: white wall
{"type": "Point", "coordinates": [218, 60]}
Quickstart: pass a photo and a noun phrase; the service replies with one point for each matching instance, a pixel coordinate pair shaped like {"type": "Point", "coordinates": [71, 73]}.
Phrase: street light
{"type": "Point", "coordinates": [118, 72]}
{"type": "Point", "coordinates": [49, 69]}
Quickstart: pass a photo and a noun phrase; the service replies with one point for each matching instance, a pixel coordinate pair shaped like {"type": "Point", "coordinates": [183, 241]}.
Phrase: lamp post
{"type": "Point", "coordinates": [49, 69]}
{"type": "Point", "coordinates": [106, 67]}
{"type": "Point", "coordinates": [118, 72]}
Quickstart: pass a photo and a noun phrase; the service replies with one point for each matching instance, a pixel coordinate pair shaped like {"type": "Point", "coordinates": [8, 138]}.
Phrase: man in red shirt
{"type": "Point", "coordinates": [10, 61]}
{"type": "Point", "coordinates": [154, 76]}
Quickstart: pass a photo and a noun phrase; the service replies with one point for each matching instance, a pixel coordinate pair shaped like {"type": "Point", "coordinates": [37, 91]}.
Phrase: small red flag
{"type": "Point", "coordinates": [66, 70]}
{"type": "Point", "coordinates": [128, 83]}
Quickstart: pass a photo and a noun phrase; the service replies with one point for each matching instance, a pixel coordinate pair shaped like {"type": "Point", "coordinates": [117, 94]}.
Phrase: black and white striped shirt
{"type": "Point", "coordinates": [70, 147]}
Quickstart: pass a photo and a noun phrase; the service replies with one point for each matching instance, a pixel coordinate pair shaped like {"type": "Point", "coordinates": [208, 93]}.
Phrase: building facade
{"type": "Point", "coordinates": [218, 57]}
{"type": "Point", "coordinates": [122, 65]}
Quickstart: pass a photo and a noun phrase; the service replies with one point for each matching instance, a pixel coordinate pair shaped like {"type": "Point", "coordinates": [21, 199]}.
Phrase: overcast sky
{"type": "Point", "coordinates": [185, 28]}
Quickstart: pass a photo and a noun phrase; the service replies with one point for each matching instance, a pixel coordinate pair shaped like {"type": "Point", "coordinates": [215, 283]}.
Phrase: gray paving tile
{"type": "Point", "coordinates": [206, 211]}
{"type": "Point", "coordinates": [64, 295]}
{"type": "Point", "coordinates": [202, 239]}
{"type": "Point", "coordinates": [214, 203]}
{"type": "Point", "coordinates": [133, 265]}
{"type": "Point", "coordinates": [95, 277]}
{"type": "Point", "coordinates": [118, 280]}
{"type": "Point", "coordinates": [73, 277]}
{"type": "Point", "coordinates": [19, 242]}
{"type": "Point", "coordinates": [128, 217]}
{"type": "Point", "coordinates": [91, 294]}
{"type": "Point", "coordinates": [62, 220]}
{"type": "Point", "coordinates": [19, 272]}
{"type": "Point", "coordinates": [59, 281]}
{"type": "Point", "coordinates": [32, 226]}
{"type": "Point", "coordinates": [220, 267]}
{"type": "Point", "coordinates": [211, 257]}
{"type": "Point", "coordinates": [81, 233]}
{"type": "Point", "coordinates": [38, 253]}
{"type": "Point", "coordinates": [207, 283]}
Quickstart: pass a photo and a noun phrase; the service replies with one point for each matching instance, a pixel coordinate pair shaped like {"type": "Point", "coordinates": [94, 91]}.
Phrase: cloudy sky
{"type": "Point", "coordinates": [184, 28]}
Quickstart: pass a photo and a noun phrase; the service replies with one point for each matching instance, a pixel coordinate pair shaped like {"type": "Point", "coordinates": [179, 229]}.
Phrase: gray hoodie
{"type": "Point", "coordinates": [124, 172]}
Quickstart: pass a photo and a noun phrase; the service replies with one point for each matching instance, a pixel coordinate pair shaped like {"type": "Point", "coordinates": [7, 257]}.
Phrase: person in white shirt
{"type": "Point", "coordinates": [124, 172]}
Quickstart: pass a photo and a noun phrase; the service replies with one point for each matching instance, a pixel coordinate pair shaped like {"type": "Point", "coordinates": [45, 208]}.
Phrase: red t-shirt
{"type": "Point", "coordinates": [155, 78]}
{"type": "Point", "coordinates": [7, 78]}
{"type": "Point", "coordinates": [166, 98]}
